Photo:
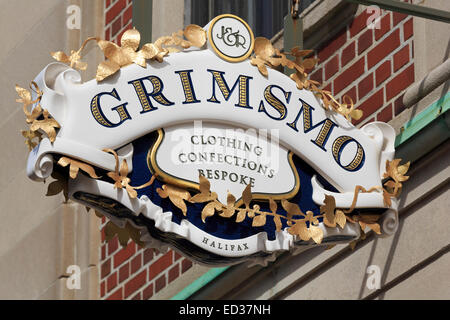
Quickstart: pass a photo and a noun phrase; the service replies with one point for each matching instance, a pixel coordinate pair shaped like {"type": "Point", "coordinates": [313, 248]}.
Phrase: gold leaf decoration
{"type": "Point", "coordinates": [75, 166]}
{"type": "Point", "coordinates": [247, 196]}
{"type": "Point", "coordinates": [300, 229]}
{"type": "Point", "coordinates": [29, 135]}
{"type": "Point", "coordinates": [395, 175]}
{"type": "Point", "coordinates": [176, 195]}
{"type": "Point", "coordinates": [359, 189]}
{"type": "Point", "coordinates": [74, 60]}
{"type": "Point", "coordinates": [230, 208]}
{"type": "Point", "coordinates": [347, 109]}
{"type": "Point", "coordinates": [292, 209]}
{"type": "Point", "coordinates": [340, 218]}
{"type": "Point", "coordinates": [124, 55]}
{"type": "Point", "coordinates": [128, 53]}
{"type": "Point", "coordinates": [59, 185]}
{"type": "Point", "coordinates": [276, 219]}
{"type": "Point", "coordinates": [47, 125]}
{"type": "Point", "coordinates": [123, 234]}
{"type": "Point", "coordinates": [196, 35]}
{"type": "Point", "coordinates": [25, 99]}
{"type": "Point", "coordinates": [205, 194]}
{"type": "Point", "coordinates": [316, 234]}
{"type": "Point", "coordinates": [328, 210]}
{"type": "Point", "coordinates": [265, 55]}
{"type": "Point", "coordinates": [304, 225]}
{"type": "Point", "coordinates": [209, 210]}
{"type": "Point", "coordinates": [259, 220]}
{"type": "Point", "coordinates": [119, 175]}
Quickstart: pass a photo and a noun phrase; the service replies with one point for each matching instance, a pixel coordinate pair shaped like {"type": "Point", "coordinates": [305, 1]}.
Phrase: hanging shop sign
{"type": "Point", "coordinates": [196, 142]}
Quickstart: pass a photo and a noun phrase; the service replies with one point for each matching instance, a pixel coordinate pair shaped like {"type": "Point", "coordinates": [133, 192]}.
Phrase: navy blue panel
{"type": "Point", "coordinates": [217, 226]}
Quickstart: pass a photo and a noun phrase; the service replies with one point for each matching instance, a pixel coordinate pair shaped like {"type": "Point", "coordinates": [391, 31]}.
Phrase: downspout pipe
{"type": "Point", "coordinates": [423, 87]}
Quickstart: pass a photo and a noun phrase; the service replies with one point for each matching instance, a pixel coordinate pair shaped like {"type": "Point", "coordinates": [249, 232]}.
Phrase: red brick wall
{"type": "Point", "coordinates": [136, 273]}
{"type": "Point", "coordinates": [374, 67]}
{"type": "Point", "coordinates": [118, 16]}
{"type": "Point", "coordinates": [132, 272]}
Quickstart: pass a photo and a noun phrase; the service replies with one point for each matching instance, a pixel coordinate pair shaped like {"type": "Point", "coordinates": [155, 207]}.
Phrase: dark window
{"type": "Point", "coordinates": [265, 17]}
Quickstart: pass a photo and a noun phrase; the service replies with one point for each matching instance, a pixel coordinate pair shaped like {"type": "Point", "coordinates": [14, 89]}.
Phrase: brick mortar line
{"type": "Point", "coordinates": [358, 57]}
{"type": "Point", "coordinates": [356, 81]}
{"type": "Point", "coordinates": [106, 26]}
{"type": "Point", "coordinates": [372, 46]}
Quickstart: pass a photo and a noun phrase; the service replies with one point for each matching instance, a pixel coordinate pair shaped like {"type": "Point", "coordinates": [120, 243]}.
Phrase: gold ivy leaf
{"type": "Point", "coordinates": [292, 209]}
{"type": "Point", "coordinates": [209, 210]}
{"type": "Point", "coordinates": [74, 60]}
{"type": "Point", "coordinates": [387, 198]}
{"type": "Point", "coordinates": [29, 135]}
{"type": "Point", "coordinates": [327, 209]}
{"type": "Point", "coordinates": [263, 48]}
{"type": "Point", "coordinates": [242, 213]}
{"type": "Point", "coordinates": [196, 35]}
{"type": "Point", "coordinates": [366, 220]}
{"type": "Point", "coordinates": [123, 234]}
{"type": "Point", "coordinates": [266, 55]}
{"type": "Point", "coordinates": [75, 166]}
{"type": "Point", "coordinates": [396, 172]}
{"type": "Point", "coordinates": [310, 218]}
{"type": "Point", "coordinates": [273, 206]}
{"type": "Point", "coordinates": [340, 218]}
{"type": "Point", "coordinates": [47, 125]}
{"type": "Point", "coordinates": [25, 99]}
{"type": "Point", "coordinates": [120, 176]}
{"type": "Point", "coordinates": [261, 64]}
{"type": "Point", "coordinates": [121, 180]}
{"type": "Point", "coordinates": [309, 63]}
{"type": "Point", "coordinates": [59, 185]}
{"type": "Point", "coordinates": [278, 224]}
{"type": "Point", "coordinates": [176, 195]}
{"type": "Point", "coordinates": [230, 208]}
{"type": "Point", "coordinates": [373, 226]}
{"type": "Point", "coordinates": [259, 220]}
{"type": "Point", "coordinates": [301, 80]}
{"type": "Point", "coordinates": [299, 53]}
{"type": "Point", "coordinates": [347, 109]}
{"type": "Point", "coordinates": [316, 234]}
{"type": "Point", "coordinates": [300, 229]}
{"type": "Point", "coordinates": [124, 55]}
{"type": "Point", "coordinates": [276, 218]}
{"type": "Point", "coordinates": [247, 196]}
{"type": "Point", "coordinates": [205, 194]}
{"type": "Point", "coordinates": [25, 96]}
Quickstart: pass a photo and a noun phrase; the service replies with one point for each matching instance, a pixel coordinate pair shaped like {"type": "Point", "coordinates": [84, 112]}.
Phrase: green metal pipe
{"type": "Point", "coordinates": [198, 283]}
